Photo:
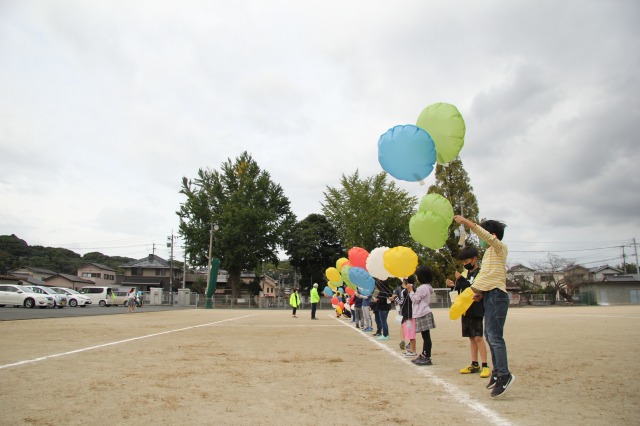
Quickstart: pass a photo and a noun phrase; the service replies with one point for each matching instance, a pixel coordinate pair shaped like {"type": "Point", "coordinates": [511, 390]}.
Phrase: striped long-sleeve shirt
{"type": "Point", "coordinates": [493, 273]}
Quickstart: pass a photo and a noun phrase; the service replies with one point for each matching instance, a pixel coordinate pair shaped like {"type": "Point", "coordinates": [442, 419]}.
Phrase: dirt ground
{"type": "Point", "coordinates": [573, 365]}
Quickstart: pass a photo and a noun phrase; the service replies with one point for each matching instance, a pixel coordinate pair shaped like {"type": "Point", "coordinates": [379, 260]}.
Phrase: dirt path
{"type": "Point", "coordinates": [572, 365]}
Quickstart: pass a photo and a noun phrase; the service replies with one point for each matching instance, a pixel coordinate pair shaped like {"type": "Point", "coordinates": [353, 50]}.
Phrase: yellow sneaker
{"type": "Point", "coordinates": [470, 369]}
{"type": "Point", "coordinates": [486, 372]}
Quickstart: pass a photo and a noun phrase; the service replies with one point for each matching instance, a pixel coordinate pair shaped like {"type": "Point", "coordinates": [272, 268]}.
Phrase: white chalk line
{"type": "Point", "coordinates": [104, 345]}
{"type": "Point", "coordinates": [460, 396]}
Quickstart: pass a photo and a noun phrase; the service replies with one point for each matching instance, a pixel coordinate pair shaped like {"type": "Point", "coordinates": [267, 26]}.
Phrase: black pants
{"type": "Point", "coordinates": [314, 306]}
{"type": "Point", "coordinates": [426, 346]}
{"type": "Point", "coordinates": [294, 310]}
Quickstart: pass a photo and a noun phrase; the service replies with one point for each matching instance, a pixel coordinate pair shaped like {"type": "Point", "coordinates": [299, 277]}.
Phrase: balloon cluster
{"type": "Point", "coordinates": [430, 225]}
{"type": "Point", "coordinates": [357, 273]}
{"type": "Point", "coordinates": [409, 152]}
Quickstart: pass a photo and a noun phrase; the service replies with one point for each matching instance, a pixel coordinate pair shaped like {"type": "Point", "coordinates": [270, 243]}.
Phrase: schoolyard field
{"type": "Point", "coordinates": [573, 365]}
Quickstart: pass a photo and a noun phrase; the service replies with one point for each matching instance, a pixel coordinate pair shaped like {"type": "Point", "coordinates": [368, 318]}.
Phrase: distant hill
{"type": "Point", "coordinates": [16, 253]}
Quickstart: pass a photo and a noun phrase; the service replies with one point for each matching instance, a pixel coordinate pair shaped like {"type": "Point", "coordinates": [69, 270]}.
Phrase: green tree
{"type": "Point", "coordinates": [453, 183]}
{"type": "Point", "coordinates": [252, 213]}
{"type": "Point", "coordinates": [370, 212]}
{"type": "Point", "coordinates": [313, 245]}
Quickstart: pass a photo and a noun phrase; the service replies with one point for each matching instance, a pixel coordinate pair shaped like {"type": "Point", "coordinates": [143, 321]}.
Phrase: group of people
{"type": "Point", "coordinates": [412, 298]}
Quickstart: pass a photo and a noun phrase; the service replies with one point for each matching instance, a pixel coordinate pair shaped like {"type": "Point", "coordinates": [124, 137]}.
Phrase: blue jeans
{"type": "Point", "coordinates": [496, 305]}
{"type": "Point", "coordinates": [376, 315]}
{"type": "Point", "coordinates": [383, 322]}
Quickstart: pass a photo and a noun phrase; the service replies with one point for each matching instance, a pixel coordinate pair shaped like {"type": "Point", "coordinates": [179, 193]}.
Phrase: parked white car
{"type": "Point", "coordinates": [59, 300]}
{"type": "Point", "coordinates": [74, 298]}
{"type": "Point", "coordinates": [17, 295]}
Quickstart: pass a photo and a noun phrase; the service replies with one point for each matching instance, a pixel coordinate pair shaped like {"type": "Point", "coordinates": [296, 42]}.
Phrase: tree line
{"type": "Point", "coordinates": [255, 224]}
{"type": "Point", "coordinates": [16, 253]}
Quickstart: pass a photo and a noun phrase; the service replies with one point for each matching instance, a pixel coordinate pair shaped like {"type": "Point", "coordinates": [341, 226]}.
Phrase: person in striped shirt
{"type": "Point", "coordinates": [490, 286]}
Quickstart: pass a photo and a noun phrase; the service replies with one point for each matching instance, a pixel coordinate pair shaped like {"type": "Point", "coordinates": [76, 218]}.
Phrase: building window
{"type": "Point", "coordinates": [136, 271]}
{"type": "Point", "coordinates": [91, 274]}
{"type": "Point", "coordinates": [161, 272]}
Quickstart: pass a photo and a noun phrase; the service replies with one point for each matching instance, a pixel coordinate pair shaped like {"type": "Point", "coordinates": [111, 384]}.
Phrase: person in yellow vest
{"type": "Point", "coordinates": [294, 301]}
{"type": "Point", "coordinates": [315, 299]}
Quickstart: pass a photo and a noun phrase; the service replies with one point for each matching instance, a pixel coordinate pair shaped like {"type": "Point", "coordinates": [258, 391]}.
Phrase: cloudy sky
{"type": "Point", "coordinates": [106, 105]}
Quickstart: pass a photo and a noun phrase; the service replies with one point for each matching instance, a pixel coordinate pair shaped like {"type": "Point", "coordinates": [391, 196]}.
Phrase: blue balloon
{"type": "Point", "coordinates": [327, 291]}
{"type": "Point", "coordinates": [363, 280]}
{"type": "Point", "coordinates": [407, 153]}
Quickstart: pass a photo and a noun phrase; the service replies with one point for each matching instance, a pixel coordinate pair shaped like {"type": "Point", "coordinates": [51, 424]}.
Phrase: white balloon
{"type": "Point", "coordinates": [375, 263]}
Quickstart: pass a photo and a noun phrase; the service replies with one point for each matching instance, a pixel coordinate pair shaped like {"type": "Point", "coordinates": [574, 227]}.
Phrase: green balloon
{"type": "Point", "coordinates": [446, 127]}
{"type": "Point", "coordinates": [344, 273]}
{"type": "Point", "coordinates": [437, 203]}
{"type": "Point", "coordinates": [429, 229]}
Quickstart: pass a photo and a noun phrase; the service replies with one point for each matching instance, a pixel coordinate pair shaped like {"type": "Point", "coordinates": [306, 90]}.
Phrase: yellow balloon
{"type": "Point", "coordinates": [332, 286]}
{"type": "Point", "coordinates": [400, 261]}
{"type": "Point", "coordinates": [340, 262]}
{"type": "Point", "coordinates": [333, 274]}
{"type": "Point", "coordinates": [461, 304]}
{"type": "Point", "coordinates": [339, 310]}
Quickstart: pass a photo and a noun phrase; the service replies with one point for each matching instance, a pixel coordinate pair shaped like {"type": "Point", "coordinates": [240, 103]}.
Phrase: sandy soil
{"type": "Point", "coordinates": [573, 365]}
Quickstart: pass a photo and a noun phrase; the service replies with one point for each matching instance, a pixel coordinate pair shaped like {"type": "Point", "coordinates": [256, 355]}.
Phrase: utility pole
{"type": "Point", "coordinates": [624, 260]}
{"type": "Point", "coordinates": [184, 273]}
{"type": "Point", "coordinates": [211, 229]}
{"type": "Point", "coordinates": [170, 244]}
{"type": "Point", "coordinates": [635, 249]}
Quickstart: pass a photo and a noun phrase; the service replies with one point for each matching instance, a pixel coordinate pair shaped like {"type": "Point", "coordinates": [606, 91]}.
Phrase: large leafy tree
{"type": "Point", "coordinates": [313, 245]}
{"type": "Point", "coordinates": [370, 212]}
{"type": "Point", "coordinates": [251, 211]}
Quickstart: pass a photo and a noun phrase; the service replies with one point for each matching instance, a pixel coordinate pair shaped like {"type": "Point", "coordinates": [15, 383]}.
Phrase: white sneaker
{"type": "Point", "coordinates": [409, 353]}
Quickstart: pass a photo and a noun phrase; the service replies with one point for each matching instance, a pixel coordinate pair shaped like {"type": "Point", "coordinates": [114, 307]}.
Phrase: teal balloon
{"type": "Point", "coordinates": [429, 229]}
{"type": "Point", "coordinates": [407, 153]}
{"type": "Point", "coordinates": [437, 204]}
{"type": "Point", "coordinates": [363, 280]}
{"type": "Point", "coordinates": [446, 126]}
{"type": "Point", "coordinates": [327, 291]}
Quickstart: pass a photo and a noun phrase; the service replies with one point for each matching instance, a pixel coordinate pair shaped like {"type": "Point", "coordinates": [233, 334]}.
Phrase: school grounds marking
{"type": "Point", "coordinates": [119, 342]}
{"type": "Point", "coordinates": [460, 396]}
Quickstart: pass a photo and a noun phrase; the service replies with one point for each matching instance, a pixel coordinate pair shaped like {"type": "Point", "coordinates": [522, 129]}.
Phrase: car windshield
{"type": "Point", "coordinates": [71, 291]}
{"type": "Point", "coordinates": [47, 290]}
{"type": "Point", "coordinates": [59, 291]}
{"type": "Point", "coordinates": [25, 289]}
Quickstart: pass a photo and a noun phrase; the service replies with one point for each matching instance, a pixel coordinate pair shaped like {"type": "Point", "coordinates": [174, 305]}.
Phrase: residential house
{"type": "Point", "coordinates": [101, 275]}
{"type": "Point", "coordinates": [600, 273]}
{"type": "Point", "coordinates": [28, 271]}
{"type": "Point", "coordinates": [269, 286]}
{"type": "Point", "coordinates": [150, 272]}
{"type": "Point", "coordinates": [520, 274]}
{"type": "Point", "coordinates": [622, 289]}
{"type": "Point", "coordinates": [68, 281]}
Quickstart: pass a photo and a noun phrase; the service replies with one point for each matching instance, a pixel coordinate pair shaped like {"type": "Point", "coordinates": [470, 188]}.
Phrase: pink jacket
{"type": "Point", "coordinates": [421, 299]}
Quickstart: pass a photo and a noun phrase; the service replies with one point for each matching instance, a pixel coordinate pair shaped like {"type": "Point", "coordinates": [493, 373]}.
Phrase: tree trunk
{"type": "Point", "coordinates": [236, 284]}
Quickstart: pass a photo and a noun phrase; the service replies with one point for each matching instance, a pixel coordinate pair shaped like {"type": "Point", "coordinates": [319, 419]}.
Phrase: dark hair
{"type": "Point", "coordinates": [423, 275]}
{"type": "Point", "coordinates": [494, 227]}
{"type": "Point", "coordinates": [468, 252]}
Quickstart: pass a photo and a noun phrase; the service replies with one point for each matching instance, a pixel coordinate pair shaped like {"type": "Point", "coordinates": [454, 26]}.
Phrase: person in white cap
{"type": "Point", "coordinates": [315, 298]}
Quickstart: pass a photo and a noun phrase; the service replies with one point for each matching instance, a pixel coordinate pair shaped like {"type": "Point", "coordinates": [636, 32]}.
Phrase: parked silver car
{"type": "Point", "coordinates": [74, 298]}
{"type": "Point", "coordinates": [17, 295]}
{"type": "Point", "coordinates": [59, 300]}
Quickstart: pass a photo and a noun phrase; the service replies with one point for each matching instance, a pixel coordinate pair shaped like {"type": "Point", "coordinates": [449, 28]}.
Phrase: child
{"type": "Point", "coordinates": [472, 326]}
{"type": "Point", "coordinates": [422, 315]}
{"type": "Point", "coordinates": [408, 323]}
{"type": "Point", "coordinates": [490, 286]}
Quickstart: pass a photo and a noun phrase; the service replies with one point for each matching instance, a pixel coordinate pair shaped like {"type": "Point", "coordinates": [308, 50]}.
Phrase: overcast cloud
{"type": "Point", "coordinates": [105, 105]}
